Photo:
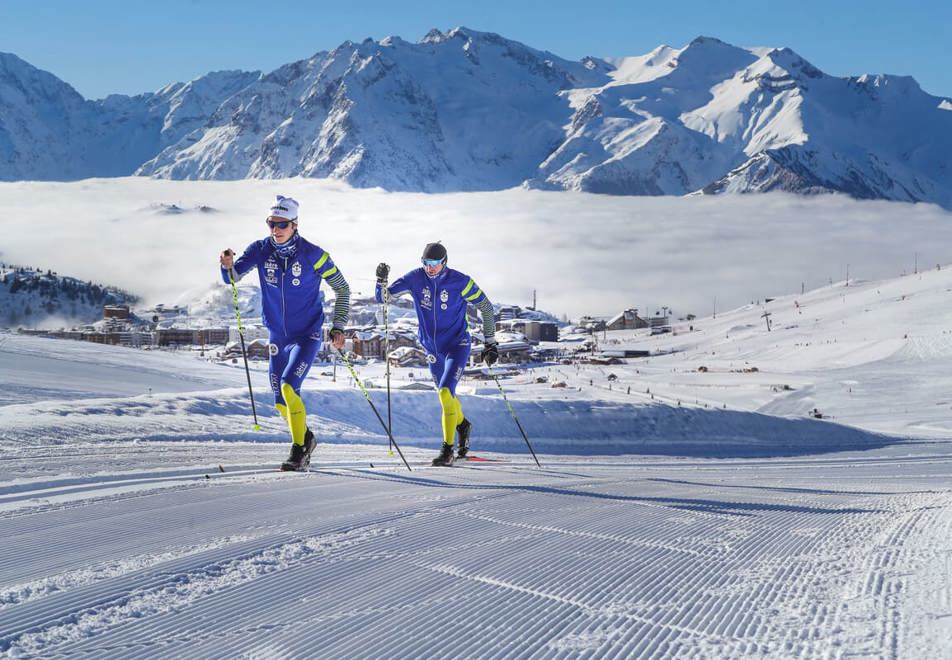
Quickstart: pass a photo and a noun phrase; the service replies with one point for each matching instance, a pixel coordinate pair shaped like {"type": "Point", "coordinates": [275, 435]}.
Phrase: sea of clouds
{"type": "Point", "coordinates": [580, 253]}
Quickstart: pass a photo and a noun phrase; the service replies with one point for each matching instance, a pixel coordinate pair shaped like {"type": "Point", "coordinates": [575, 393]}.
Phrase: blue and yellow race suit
{"type": "Point", "coordinates": [440, 303]}
{"type": "Point", "coordinates": [291, 274]}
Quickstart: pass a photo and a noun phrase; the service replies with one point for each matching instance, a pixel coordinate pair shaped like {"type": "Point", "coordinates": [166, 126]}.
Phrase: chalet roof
{"type": "Point", "coordinates": [620, 315]}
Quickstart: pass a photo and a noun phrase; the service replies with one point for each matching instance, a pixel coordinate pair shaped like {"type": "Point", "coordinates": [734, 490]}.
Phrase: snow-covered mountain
{"type": "Point", "coordinates": [457, 111]}
{"type": "Point", "coordinates": [469, 110]}
{"type": "Point", "coordinates": [35, 298]}
{"type": "Point", "coordinates": [49, 132]}
{"type": "Point", "coordinates": [43, 123]}
{"type": "Point", "coordinates": [718, 118]}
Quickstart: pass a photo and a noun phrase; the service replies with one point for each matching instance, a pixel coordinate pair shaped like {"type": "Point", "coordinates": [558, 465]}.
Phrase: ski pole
{"type": "Point", "coordinates": [513, 413]}
{"type": "Point", "coordinates": [353, 373]}
{"type": "Point", "coordinates": [241, 336]}
{"type": "Point", "coordinates": [386, 357]}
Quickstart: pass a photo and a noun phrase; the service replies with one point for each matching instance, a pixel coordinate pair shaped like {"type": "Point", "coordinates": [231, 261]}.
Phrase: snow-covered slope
{"type": "Point", "coordinates": [871, 354]}
{"type": "Point", "coordinates": [470, 110]}
{"type": "Point", "coordinates": [142, 515]}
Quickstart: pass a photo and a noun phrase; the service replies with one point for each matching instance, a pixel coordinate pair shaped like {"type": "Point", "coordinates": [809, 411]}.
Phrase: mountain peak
{"type": "Point", "coordinates": [459, 32]}
{"type": "Point", "coordinates": [468, 34]}
{"type": "Point", "coordinates": [701, 40]}
{"type": "Point", "coordinates": [14, 67]}
{"type": "Point", "coordinates": [434, 36]}
{"type": "Point", "coordinates": [793, 63]}
{"type": "Point", "coordinates": [463, 33]}
{"type": "Point", "coordinates": [711, 59]}
{"type": "Point", "coordinates": [710, 46]}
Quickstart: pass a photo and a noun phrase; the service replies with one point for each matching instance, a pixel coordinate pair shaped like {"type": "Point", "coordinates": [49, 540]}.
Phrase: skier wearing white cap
{"type": "Point", "coordinates": [291, 270]}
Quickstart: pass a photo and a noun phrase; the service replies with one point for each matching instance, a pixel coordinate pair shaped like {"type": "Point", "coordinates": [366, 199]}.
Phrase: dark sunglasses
{"type": "Point", "coordinates": [281, 224]}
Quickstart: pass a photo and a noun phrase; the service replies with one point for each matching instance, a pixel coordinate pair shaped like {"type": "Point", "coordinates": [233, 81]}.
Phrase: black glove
{"type": "Point", "coordinates": [383, 271]}
{"type": "Point", "coordinates": [334, 333]}
{"type": "Point", "coordinates": [490, 353]}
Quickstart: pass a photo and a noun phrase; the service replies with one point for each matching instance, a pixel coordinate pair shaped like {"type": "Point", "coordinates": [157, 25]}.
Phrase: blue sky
{"type": "Point", "coordinates": [134, 46]}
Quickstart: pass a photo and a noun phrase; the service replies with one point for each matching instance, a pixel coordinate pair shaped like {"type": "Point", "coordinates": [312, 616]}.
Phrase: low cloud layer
{"type": "Point", "coordinates": [581, 253]}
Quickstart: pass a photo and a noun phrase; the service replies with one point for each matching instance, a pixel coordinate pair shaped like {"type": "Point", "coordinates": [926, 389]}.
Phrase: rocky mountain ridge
{"type": "Point", "coordinates": [467, 110]}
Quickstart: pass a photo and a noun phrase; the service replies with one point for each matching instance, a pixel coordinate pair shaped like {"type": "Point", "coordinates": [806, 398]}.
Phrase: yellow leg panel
{"type": "Point", "coordinates": [297, 416]}
{"type": "Point", "coordinates": [450, 407]}
{"type": "Point", "coordinates": [282, 410]}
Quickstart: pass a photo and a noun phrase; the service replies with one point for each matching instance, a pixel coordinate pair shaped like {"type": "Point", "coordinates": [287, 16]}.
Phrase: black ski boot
{"type": "Point", "coordinates": [462, 442]}
{"type": "Point", "coordinates": [300, 456]}
{"type": "Point", "coordinates": [445, 457]}
{"type": "Point", "coordinates": [310, 442]}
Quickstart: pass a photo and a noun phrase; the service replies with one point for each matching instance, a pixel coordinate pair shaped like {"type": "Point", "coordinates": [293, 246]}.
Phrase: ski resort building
{"type": "Point", "coordinates": [191, 336]}
{"type": "Point", "coordinates": [115, 312]}
{"type": "Point", "coordinates": [533, 331]}
{"type": "Point", "coordinates": [626, 320]}
{"type": "Point", "coordinates": [373, 343]}
{"type": "Point", "coordinates": [257, 349]}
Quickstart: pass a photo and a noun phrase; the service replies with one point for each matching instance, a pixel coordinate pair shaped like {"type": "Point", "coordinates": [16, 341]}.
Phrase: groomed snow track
{"type": "Point", "coordinates": [662, 558]}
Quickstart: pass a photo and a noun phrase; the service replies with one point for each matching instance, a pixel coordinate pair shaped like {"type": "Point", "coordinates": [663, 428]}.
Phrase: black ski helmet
{"type": "Point", "coordinates": [434, 251]}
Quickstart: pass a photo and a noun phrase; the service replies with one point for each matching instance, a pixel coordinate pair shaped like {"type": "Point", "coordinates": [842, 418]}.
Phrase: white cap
{"type": "Point", "coordinates": [285, 207]}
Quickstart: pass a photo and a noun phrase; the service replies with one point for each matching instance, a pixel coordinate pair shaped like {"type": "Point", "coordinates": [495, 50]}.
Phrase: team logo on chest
{"type": "Point", "coordinates": [296, 271]}
{"type": "Point", "coordinates": [444, 297]}
{"type": "Point", "coordinates": [427, 301]}
{"type": "Point", "coordinates": [270, 271]}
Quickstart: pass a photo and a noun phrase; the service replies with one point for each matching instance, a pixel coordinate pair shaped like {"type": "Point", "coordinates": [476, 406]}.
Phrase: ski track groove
{"type": "Point", "coordinates": [122, 601]}
{"type": "Point", "coordinates": [688, 571]}
{"type": "Point", "coordinates": [170, 592]}
{"type": "Point", "coordinates": [28, 591]}
{"type": "Point", "coordinates": [235, 611]}
{"type": "Point", "coordinates": [882, 586]}
{"type": "Point", "coordinates": [75, 496]}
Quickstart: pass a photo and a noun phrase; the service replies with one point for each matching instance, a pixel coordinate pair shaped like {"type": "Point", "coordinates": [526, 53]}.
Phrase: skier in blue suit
{"type": "Point", "coordinates": [291, 270]}
{"type": "Point", "coordinates": [440, 295]}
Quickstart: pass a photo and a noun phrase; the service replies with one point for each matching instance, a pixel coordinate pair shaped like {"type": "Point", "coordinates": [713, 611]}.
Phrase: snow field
{"type": "Point", "coordinates": [583, 557]}
{"type": "Point", "coordinates": [703, 514]}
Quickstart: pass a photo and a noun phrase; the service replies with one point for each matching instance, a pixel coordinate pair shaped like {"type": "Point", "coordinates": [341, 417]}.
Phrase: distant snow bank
{"type": "Point", "coordinates": [342, 416]}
